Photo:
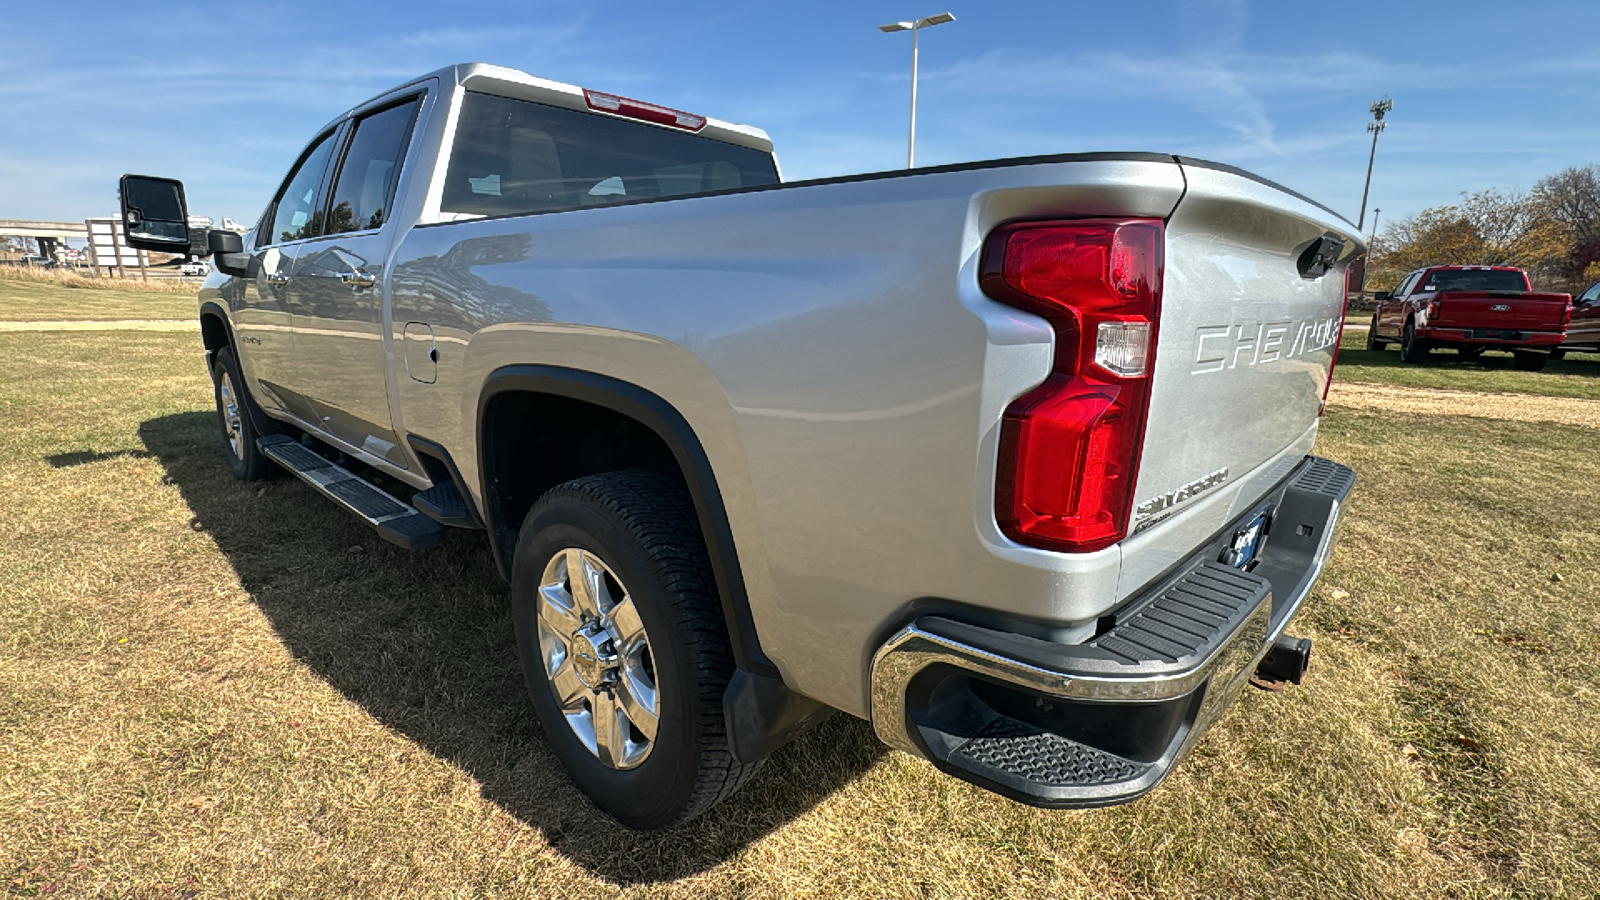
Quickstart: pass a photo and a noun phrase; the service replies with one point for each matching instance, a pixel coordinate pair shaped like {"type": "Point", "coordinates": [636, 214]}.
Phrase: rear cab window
{"type": "Point", "coordinates": [1475, 280]}
{"type": "Point", "coordinates": [363, 192]}
{"type": "Point", "coordinates": [513, 157]}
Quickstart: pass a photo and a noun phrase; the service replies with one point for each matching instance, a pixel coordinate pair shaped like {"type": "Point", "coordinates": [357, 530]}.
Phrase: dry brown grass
{"type": "Point", "coordinates": [23, 298]}
{"type": "Point", "coordinates": [161, 283]}
{"type": "Point", "coordinates": [225, 690]}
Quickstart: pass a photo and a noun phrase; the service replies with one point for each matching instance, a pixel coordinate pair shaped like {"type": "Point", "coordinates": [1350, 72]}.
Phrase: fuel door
{"type": "Point", "coordinates": [421, 354]}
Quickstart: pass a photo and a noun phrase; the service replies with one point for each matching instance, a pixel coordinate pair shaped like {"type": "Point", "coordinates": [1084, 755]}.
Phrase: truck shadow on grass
{"type": "Point", "coordinates": [423, 642]}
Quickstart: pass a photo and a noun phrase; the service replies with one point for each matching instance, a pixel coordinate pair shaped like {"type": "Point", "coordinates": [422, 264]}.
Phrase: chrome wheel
{"type": "Point", "coordinates": [597, 658]}
{"type": "Point", "coordinates": [228, 405]}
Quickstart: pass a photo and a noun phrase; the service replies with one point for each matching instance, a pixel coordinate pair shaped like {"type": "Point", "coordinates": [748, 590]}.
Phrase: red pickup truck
{"type": "Point", "coordinates": [1470, 309]}
{"type": "Point", "coordinates": [1583, 329]}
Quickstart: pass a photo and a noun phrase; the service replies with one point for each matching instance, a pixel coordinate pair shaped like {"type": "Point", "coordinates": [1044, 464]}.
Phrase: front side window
{"type": "Point", "coordinates": [1592, 294]}
{"type": "Point", "coordinates": [365, 188]}
{"type": "Point", "coordinates": [295, 214]}
{"type": "Point", "coordinates": [516, 156]}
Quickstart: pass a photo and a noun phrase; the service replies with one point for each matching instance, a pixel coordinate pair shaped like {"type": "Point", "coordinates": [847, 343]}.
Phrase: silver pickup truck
{"type": "Point", "coordinates": [1010, 457]}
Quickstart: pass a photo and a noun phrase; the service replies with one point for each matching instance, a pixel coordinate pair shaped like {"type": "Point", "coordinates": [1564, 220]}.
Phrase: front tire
{"type": "Point", "coordinates": [1412, 348]}
{"type": "Point", "coordinates": [234, 413]}
{"type": "Point", "coordinates": [1558, 354]}
{"type": "Point", "coordinates": [1373, 343]}
{"type": "Point", "coordinates": [624, 647]}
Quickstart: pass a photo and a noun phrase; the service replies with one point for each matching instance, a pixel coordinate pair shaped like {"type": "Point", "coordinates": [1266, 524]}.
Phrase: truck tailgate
{"type": "Point", "coordinates": [1484, 309]}
{"type": "Point", "coordinates": [1244, 351]}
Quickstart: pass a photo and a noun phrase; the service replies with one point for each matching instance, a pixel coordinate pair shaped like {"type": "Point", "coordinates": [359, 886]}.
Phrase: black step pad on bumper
{"type": "Point", "coordinates": [395, 521]}
{"type": "Point", "coordinates": [1040, 757]}
{"type": "Point", "coordinates": [1099, 722]}
{"type": "Point", "coordinates": [1104, 721]}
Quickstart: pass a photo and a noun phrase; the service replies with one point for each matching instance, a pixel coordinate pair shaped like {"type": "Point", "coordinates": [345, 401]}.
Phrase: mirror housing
{"type": "Point", "coordinates": [221, 241]}
{"type": "Point", "coordinates": [155, 215]}
{"type": "Point", "coordinates": [227, 251]}
{"type": "Point", "coordinates": [1381, 296]}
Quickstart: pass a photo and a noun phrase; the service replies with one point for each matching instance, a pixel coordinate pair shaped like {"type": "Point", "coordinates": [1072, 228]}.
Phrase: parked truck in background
{"type": "Point", "coordinates": [1470, 309]}
{"type": "Point", "coordinates": [1010, 458]}
{"type": "Point", "coordinates": [1583, 329]}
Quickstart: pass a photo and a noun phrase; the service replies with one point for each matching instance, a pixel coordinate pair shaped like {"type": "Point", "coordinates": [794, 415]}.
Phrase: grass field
{"type": "Point", "coordinates": [215, 689]}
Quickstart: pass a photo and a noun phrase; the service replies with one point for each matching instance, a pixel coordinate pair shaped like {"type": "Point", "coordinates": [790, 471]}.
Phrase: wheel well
{"type": "Point", "coordinates": [540, 426]}
{"type": "Point", "coordinates": [213, 333]}
{"type": "Point", "coordinates": [533, 442]}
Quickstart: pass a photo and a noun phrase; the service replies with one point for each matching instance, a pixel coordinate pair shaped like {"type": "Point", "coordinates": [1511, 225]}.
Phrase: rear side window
{"type": "Point", "coordinates": [516, 156]}
{"type": "Point", "coordinates": [366, 184]}
{"type": "Point", "coordinates": [1480, 280]}
{"type": "Point", "coordinates": [294, 214]}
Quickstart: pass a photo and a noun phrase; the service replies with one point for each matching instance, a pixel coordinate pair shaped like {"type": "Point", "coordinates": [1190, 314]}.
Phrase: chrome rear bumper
{"type": "Point", "coordinates": [1104, 721]}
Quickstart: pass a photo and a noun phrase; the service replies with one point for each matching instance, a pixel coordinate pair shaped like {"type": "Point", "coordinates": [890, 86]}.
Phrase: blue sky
{"type": "Point", "coordinates": [225, 95]}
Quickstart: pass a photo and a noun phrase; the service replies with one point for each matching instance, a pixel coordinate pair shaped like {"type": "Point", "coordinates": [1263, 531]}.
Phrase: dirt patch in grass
{"type": "Point", "coordinates": [224, 689]}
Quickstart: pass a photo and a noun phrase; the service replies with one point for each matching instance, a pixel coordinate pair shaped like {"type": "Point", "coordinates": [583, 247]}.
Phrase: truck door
{"type": "Point", "coordinates": [340, 352]}
{"type": "Point", "coordinates": [262, 321]}
{"type": "Point", "coordinates": [1585, 325]}
{"type": "Point", "coordinates": [1392, 315]}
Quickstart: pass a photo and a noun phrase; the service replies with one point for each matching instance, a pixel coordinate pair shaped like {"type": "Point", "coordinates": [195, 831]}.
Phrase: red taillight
{"type": "Point", "coordinates": [645, 112]}
{"type": "Point", "coordinates": [1069, 449]}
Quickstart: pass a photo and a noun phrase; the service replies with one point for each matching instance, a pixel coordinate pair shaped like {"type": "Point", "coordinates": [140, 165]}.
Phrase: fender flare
{"type": "Point", "coordinates": [263, 423]}
{"type": "Point", "coordinates": [674, 430]}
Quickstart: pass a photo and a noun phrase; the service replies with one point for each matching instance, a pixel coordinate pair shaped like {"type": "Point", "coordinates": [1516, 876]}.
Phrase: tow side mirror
{"type": "Point", "coordinates": [227, 251]}
{"type": "Point", "coordinates": [154, 214]}
{"type": "Point", "coordinates": [1381, 296]}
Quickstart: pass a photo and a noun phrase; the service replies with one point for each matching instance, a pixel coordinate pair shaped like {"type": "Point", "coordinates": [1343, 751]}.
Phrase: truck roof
{"type": "Point", "coordinates": [507, 82]}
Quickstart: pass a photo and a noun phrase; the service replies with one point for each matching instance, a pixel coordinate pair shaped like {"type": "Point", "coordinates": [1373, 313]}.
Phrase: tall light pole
{"type": "Point", "coordinates": [1379, 109]}
{"type": "Point", "coordinates": [914, 27]}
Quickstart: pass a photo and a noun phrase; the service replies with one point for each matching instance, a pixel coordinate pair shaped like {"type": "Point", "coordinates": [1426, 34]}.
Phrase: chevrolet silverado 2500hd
{"type": "Point", "coordinates": [1010, 458]}
{"type": "Point", "coordinates": [1470, 309]}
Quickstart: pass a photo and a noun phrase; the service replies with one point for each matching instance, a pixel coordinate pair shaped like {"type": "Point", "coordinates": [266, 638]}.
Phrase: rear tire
{"type": "Point", "coordinates": [624, 647]}
{"type": "Point", "coordinates": [1412, 348]}
{"type": "Point", "coordinates": [236, 413]}
{"type": "Point", "coordinates": [1529, 360]}
{"type": "Point", "coordinates": [1558, 354]}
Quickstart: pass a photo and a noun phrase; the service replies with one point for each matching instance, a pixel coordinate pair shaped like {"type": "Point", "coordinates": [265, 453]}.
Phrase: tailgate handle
{"type": "Point", "coordinates": [1320, 256]}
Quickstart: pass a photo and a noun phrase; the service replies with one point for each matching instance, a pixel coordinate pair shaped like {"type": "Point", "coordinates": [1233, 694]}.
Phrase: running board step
{"type": "Point", "coordinates": [395, 521]}
{"type": "Point", "coordinates": [444, 504]}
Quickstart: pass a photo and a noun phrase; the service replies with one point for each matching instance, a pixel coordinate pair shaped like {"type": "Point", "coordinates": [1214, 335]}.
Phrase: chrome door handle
{"type": "Point", "coordinates": [277, 279]}
{"type": "Point", "coordinates": [358, 279]}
